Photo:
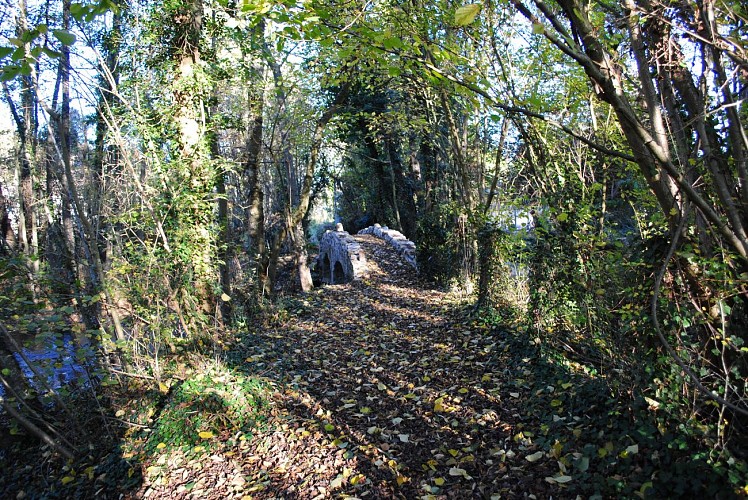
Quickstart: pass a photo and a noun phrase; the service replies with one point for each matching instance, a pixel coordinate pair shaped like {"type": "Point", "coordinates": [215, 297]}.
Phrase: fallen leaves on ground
{"type": "Point", "coordinates": [385, 389]}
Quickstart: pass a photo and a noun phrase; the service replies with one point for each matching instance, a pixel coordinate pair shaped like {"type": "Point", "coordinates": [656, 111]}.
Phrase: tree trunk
{"type": "Point", "coordinates": [7, 235]}
{"type": "Point", "coordinates": [302, 258]}
{"type": "Point", "coordinates": [654, 161]}
{"type": "Point", "coordinates": [490, 279]}
{"type": "Point", "coordinates": [27, 222]}
{"type": "Point", "coordinates": [25, 121]}
{"type": "Point", "coordinates": [192, 167]}
{"type": "Point", "coordinates": [295, 216]}
{"type": "Point", "coordinates": [253, 176]}
{"type": "Point", "coordinates": [106, 157]}
{"type": "Point", "coordinates": [395, 166]}
{"type": "Point", "coordinates": [68, 230]}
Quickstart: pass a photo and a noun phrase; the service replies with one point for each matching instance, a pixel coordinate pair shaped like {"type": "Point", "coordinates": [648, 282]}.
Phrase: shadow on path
{"type": "Point", "coordinates": [384, 391]}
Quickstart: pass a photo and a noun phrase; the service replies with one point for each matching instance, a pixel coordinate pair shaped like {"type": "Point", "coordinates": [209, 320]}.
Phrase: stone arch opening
{"type": "Point", "coordinates": [338, 275]}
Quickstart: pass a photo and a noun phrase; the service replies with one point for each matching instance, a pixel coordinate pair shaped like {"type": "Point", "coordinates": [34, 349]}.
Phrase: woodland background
{"type": "Point", "coordinates": [575, 171]}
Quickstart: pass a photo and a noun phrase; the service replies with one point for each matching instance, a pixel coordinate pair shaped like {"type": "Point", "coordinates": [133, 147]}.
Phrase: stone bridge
{"type": "Point", "coordinates": [404, 247]}
{"type": "Point", "coordinates": [341, 259]}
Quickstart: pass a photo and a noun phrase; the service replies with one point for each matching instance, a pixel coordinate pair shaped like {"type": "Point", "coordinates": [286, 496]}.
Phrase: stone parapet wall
{"type": "Point", "coordinates": [404, 247]}
{"type": "Point", "coordinates": [341, 259]}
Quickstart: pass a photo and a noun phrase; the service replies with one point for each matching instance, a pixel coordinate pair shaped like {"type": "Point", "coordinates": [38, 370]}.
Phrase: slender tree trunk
{"type": "Point", "coordinates": [68, 230]}
{"type": "Point", "coordinates": [294, 217]}
{"type": "Point", "coordinates": [26, 133]}
{"type": "Point", "coordinates": [24, 119]}
{"type": "Point", "coordinates": [380, 187]}
{"type": "Point", "coordinates": [97, 274]}
{"type": "Point", "coordinates": [497, 166]}
{"type": "Point", "coordinates": [653, 161]}
{"type": "Point", "coordinates": [106, 157]}
{"type": "Point", "coordinates": [7, 235]}
{"type": "Point", "coordinates": [458, 150]}
{"type": "Point", "coordinates": [253, 175]}
{"type": "Point", "coordinates": [394, 164]}
{"type": "Point", "coordinates": [225, 240]}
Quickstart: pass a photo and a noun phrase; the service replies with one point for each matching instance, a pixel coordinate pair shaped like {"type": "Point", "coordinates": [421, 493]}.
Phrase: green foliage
{"type": "Point", "coordinates": [439, 243]}
{"type": "Point", "coordinates": [208, 409]}
{"type": "Point", "coordinates": [507, 283]}
{"type": "Point", "coordinates": [28, 46]}
{"type": "Point", "coordinates": [466, 14]}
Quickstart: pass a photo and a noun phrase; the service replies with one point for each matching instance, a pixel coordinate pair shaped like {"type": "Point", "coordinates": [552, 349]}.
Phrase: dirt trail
{"type": "Point", "coordinates": [387, 394]}
{"type": "Point", "coordinates": [383, 391]}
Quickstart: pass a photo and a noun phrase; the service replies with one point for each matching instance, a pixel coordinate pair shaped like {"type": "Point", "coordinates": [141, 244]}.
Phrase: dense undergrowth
{"type": "Point", "coordinates": [106, 406]}
{"type": "Point", "coordinates": [610, 437]}
{"type": "Point", "coordinates": [602, 413]}
{"type": "Point", "coordinates": [587, 313]}
{"type": "Point", "coordinates": [199, 406]}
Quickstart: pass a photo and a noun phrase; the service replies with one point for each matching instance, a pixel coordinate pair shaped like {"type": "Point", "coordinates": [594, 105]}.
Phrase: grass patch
{"type": "Point", "coordinates": [209, 409]}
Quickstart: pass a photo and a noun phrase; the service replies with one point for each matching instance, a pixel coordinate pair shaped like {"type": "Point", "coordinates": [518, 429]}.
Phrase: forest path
{"type": "Point", "coordinates": [385, 391]}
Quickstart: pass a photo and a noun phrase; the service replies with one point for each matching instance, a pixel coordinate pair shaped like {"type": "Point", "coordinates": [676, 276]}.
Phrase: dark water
{"type": "Point", "coordinates": [62, 360]}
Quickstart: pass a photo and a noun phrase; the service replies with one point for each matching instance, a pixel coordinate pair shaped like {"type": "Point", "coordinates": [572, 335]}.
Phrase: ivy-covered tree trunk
{"type": "Point", "coordinates": [192, 169]}
{"type": "Point", "coordinates": [7, 235]}
{"type": "Point", "coordinates": [490, 280]}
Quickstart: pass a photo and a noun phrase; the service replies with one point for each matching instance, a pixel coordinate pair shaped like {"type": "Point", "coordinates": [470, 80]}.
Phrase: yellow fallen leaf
{"type": "Point", "coordinates": [67, 479]}
{"type": "Point", "coordinates": [160, 446]}
{"type": "Point", "coordinates": [556, 449]}
{"type": "Point", "coordinates": [438, 405]}
{"type": "Point", "coordinates": [205, 434]}
{"type": "Point", "coordinates": [439, 481]}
